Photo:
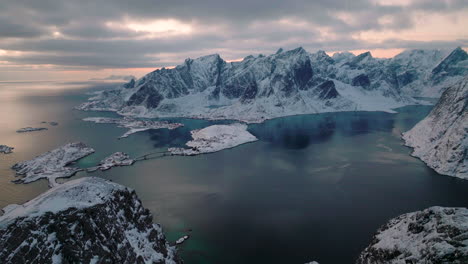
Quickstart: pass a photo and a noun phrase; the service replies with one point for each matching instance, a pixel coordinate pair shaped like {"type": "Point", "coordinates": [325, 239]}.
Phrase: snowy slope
{"type": "Point", "coordinates": [441, 139]}
{"type": "Point", "coordinates": [285, 83]}
{"type": "Point", "coordinates": [434, 235]}
{"type": "Point", "coordinates": [88, 220]}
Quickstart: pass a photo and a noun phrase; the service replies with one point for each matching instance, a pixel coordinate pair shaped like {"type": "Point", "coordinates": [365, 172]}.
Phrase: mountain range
{"type": "Point", "coordinates": [285, 83]}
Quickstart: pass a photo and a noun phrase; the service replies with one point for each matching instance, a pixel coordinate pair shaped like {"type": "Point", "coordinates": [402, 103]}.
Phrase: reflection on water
{"type": "Point", "coordinates": [314, 187]}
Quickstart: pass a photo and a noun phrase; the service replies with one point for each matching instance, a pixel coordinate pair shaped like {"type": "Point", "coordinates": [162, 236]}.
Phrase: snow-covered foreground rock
{"type": "Point", "coordinates": [285, 83]}
{"type": "Point", "coordinates": [52, 164]}
{"type": "Point", "coordinates": [215, 138]}
{"type": "Point", "coordinates": [434, 235]}
{"type": "Point", "coordinates": [441, 139]}
{"type": "Point", "coordinates": [30, 129]}
{"type": "Point", "coordinates": [6, 149]}
{"type": "Point", "coordinates": [116, 159]}
{"type": "Point", "coordinates": [133, 125]}
{"type": "Point", "coordinates": [88, 220]}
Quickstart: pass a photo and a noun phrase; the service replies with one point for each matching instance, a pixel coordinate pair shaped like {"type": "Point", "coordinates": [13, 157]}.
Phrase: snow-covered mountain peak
{"type": "Point", "coordinates": [343, 56]}
{"type": "Point", "coordinates": [321, 56]}
{"type": "Point", "coordinates": [283, 83]}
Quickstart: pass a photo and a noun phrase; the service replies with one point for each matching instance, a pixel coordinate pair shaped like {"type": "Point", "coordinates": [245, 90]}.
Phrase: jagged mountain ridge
{"type": "Point", "coordinates": [284, 83]}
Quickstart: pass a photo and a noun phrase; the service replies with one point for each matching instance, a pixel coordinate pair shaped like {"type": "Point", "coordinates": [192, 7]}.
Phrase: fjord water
{"type": "Point", "coordinates": [314, 187]}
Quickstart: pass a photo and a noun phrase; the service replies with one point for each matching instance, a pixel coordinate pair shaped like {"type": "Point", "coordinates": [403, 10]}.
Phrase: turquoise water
{"type": "Point", "coordinates": [314, 187]}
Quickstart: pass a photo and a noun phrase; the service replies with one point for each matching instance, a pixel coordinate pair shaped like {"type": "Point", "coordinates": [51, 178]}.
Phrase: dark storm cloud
{"type": "Point", "coordinates": [10, 29]}
{"type": "Point", "coordinates": [77, 33]}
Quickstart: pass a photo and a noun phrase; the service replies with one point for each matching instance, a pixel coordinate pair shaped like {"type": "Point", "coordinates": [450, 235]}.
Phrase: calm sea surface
{"type": "Point", "coordinates": [314, 187]}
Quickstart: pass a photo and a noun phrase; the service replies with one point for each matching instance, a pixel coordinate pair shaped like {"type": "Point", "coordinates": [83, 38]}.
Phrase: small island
{"type": "Point", "coordinates": [215, 138]}
{"type": "Point", "coordinates": [52, 164]}
{"type": "Point", "coordinates": [116, 159]}
{"type": "Point", "coordinates": [30, 129]}
{"type": "Point", "coordinates": [6, 149]}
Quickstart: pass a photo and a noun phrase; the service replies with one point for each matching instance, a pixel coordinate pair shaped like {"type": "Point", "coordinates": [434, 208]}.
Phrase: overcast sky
{"type": "Point", "coordinates": [64, 39]}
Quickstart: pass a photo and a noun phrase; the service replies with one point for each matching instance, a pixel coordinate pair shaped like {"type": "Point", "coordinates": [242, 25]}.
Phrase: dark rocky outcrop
{"type": "Point", "coordinates": [361, 80]}
{"type": "Point", "coordinates": [146, 96]}
{"type": "Point", "coordinates": [130, 84]}
{"type": "Point", "coordinates": [327, 90]}
{"type": "Point", "coordinates": [87, 220]}
{"type": "Point", "coordinates": [454, 64]}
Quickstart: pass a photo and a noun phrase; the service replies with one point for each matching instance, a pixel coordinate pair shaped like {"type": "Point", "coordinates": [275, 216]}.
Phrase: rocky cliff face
{"type": "Point", "coordinates": [284, 83]}
{"type": "Point", "coordinates": [441, 139]}
{"type": "Point", "coordinates": [434, 235]}
{"type": "Point", "coordinates": [88, 220]}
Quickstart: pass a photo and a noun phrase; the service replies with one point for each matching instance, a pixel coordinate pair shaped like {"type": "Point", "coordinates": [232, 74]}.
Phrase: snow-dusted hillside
{"type": "Point", "coordinates": [284, 83]}
{"type": "Point", "coordinates": [441, 139]}
{"type": "Point", "coordinates": [88, 220]}
{"type": "Point", "coordinates": [434, 235]}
